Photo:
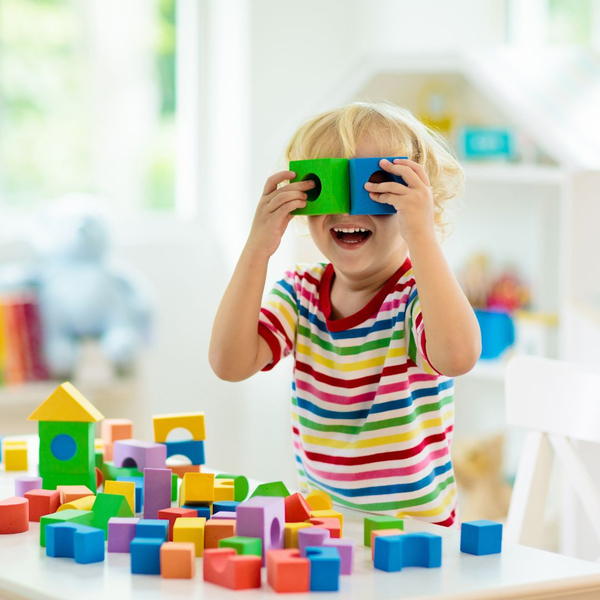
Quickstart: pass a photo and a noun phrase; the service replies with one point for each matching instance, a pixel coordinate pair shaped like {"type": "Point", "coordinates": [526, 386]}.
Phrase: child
{"type": "Point", "coordinates": [372, 396]}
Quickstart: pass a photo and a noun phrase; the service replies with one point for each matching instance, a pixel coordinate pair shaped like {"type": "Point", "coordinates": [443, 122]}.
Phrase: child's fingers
{"type": "Point", "coordinates": [307, 184]}
{"type": "Point", "coordinates": [391, 199]}
{"type": "Point", "coordinates": [275, 180]}
{"type": "Point", "coordinates": [405, 171]}
{"type": "Point", "coordinates": [392, 187]}
{"type": "Point", "coordinates": [287, 207]}
{"type": "Point", "coordinates": [280, 199]}
{"type": "Point", "coordinates": [417, 168]}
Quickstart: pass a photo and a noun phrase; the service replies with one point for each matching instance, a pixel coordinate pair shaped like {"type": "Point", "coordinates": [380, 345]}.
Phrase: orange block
{"type": "Point", "coordinates": [287, 571]}
{"type": "Point", "coordinates": [14, 515]}
{"type": "Point", "coordinates": [113, 430]}
{"type": "Point", "coordinates": [380, 533]}
{"type": "Point", "coordinates": [42, 502]}
{"type": "Point", "coordinates": [330, 523]}
{"type": "Point", "coordinates": [224, 567]}
{"type": "Point", "coordinates": [297, 509]}
{"type": "Point", "coordinates": [68, 493]}
{"type": "Point", "coordinates": [178, 560]}
{"type": "Point", "coordinates": [218, 529]}
{"type": "Point", "coordinates": [181, 470]}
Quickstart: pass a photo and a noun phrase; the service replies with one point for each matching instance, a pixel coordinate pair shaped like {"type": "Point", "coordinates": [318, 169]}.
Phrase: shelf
{"type": "Point", "coordinates": [514, 173]}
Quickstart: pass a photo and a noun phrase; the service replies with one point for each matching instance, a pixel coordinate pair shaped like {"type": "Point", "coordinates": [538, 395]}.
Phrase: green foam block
{"type": "Point", "coordinates": [378, 522]}
{"type": "Point", "coordinates": [240, 485]}
{"type": "Point", "coordinates": [243, 545]}
{"type": "Point", "coordinates": [274, 488]}
{"type": "Point", "coordinates": [83, 517]}
{"type": "Point", "coordinates": [107, 506]}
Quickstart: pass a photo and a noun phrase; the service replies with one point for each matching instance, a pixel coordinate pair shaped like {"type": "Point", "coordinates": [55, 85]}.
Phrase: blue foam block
{"type": "Point", "coordinates": [481, 537]}
{"type": "Point", "coordinates": [192, 449]}
{"type": "Point", "coordinates": [203, 511]}
{"type": "Point", "coordinates": [152, 528]}
{"type": "Point", "coordinates": [139, 490]}
{"type": "Point", "coordinates": [145, 555]}
{"type": "Point", "coordinates": [393, 553]}
{"type": "Point", "coordinates": [224, 506]}
{"type": "Point", "coordinates": [325, 566]}
{"type": "Point", "coordinates": [362, 170]}
{"type": "Point", "coordinates": [73, 540]}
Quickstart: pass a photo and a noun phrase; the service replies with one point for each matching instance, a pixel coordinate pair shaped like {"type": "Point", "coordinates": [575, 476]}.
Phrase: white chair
{"type": "Point", "coordinates": [557, 403]}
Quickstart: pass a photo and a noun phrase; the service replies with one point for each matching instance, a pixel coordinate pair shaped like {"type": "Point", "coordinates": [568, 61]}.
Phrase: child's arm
{"type": "Point", "coordinates": [451, 328]}
{"type": "Point", "coordinates": [237, 351]}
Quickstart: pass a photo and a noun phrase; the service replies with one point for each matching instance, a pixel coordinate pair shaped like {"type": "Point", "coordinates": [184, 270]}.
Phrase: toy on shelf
{"type": "Point", "coordinates": [72, 540]}
{"type": "Point", "coordinates": [177, 560]}
{"type": "Point", "coordinates": [145, 555]}
{"type": "Point", "coordinates": [15, 455]}
{"type": "Point", "coordinates": [42, 502]}
{"type": "Point", "coordinates": [190, 530]}
{"type": "Point", "coordinates": [121, 531]}
{"type": "Point", "coordinates": [287, 571]}
{"type": "Point", "coordinates": [222, 566]}
{"type": "Point", "coordinates": [157, 491]}
{"type": "Point", "coordinates": [392, 553]}
{"type": "Point", "coordinates": [26, 484]}
{"type": "Point", "coordinates": [139, 454]}
{"type": "Point", "coordinates": [481, 537]}
{"type": "Point", "coordinates": [14, 515]}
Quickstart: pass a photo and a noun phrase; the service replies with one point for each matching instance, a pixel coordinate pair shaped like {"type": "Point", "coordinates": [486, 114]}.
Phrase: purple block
{"type": "Point", "coordinates": [224, 514]}
{"type": "Point", "coordinates": [142, 455]}
{"type": "Point", "coordinates": [262, 517]}
{"type": "Point", "coordinates": [26, 484]}
{"type": "Point", "coordinates": [120, 533]}
{"type": "Point", "coordinates": [345, 546]}
{"type": "Point", "coordinates": [311, 536]}
{"type": "Point", "coordinates": [157, 491]}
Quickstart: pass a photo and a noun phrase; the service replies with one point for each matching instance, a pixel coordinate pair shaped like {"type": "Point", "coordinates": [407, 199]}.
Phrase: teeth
{"type": "Point", "coordinates": [350, 230]}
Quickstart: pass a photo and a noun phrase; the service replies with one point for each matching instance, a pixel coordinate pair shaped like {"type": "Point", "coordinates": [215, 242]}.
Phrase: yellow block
{"type": "Point", "coordinates": [66, 403]}
{"type": "Point", "coordinates": [197, 488]}
{"type": "Point", "coordinates": [190, 529]}
{"type": "Point", "coordinates": [193, 422]}
{"type": "Point", "coordinates": [224, 489]}
{"type": "Point", "coordinates": [290, 532]}
{"type": "Point", "coordinates": [99, 444]}
{"type": "Point", "coordinates": [329, 514]}
{"type": "Point", "coordinates": [123, 488]}
{"type": "Point", "coordinates": [319, 500]}
{"type": "Point", "coordinates": [15, 456]}
{"type": "Point", "coordinates": [84, 503]}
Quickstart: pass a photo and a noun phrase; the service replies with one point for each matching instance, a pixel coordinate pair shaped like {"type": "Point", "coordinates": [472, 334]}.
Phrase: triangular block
{"type": "Point", "coordinates": [66, 403]}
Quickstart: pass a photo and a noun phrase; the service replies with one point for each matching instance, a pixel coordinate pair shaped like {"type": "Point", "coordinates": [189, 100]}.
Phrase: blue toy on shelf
{"type": "Point", "coordinates": [481, 537]}
{"type": "Point", "coordinates": [394, 552]}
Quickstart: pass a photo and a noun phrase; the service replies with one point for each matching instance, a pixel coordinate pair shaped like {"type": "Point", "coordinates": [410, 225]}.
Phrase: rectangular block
{"type": "Point", "coordinates": [216, 530]}
{"type": "Point", "coordinates": [178, 560]}
{"type": "Point", "coordinates": [172, 514]}
{"type": "Point", "coordinates": [15, 458]}
{"type": "Point", "coordinates": [190, 530]}
{"type": "Point", "coordinates": [197, 488]}
{"type": "Point", "coordinates": [121, 531]}
{"type": "Point", "coordinates": [113, 430]}
{"type": "Point", "coordinates": [157, 491]}
{"type": "Point", "coordinates": [68, 493]}
{"type": "Point", "coordinates": [145, 555]}
{"type": "Point", "coordinates": [152, 528]}
{"type": "Point", "coordinates": [83, 517]}
{"type": "Point", "coordinates": [66, 447]}
{"type": "Point", "coordinates": [193, 422]}
{"type": "Point", "coordinates": [138, 492]}
{"type": "Point", "coordinates": [42, 502]}
{"type": "Point", "coordinates": [262, 517]}
{"type": "Point", "coordinates": [139, 454]}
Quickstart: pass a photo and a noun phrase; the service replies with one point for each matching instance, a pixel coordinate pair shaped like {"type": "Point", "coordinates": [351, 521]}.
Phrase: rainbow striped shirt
{"type": "Point", "coordinates": [372, 419]}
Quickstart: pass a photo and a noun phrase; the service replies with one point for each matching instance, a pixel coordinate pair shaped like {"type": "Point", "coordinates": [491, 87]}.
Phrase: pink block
{"type": "Point", "coordinates": [26, 484]}
{"type": "Point", "coordinates": [224, 514]}
{"type": "Point", "coordinates": [311, 536]}
{"type": "Point", "coordinates": [143, 455]}
{"type": "Point", "coordinates": [345, 547]}
{"type": "Point", "coordinates": [120, 533]}
{"type": "Point", "coordinates": [157, 491]}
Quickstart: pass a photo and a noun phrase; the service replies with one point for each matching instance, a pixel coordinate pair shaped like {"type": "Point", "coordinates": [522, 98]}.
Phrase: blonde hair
{"type": "Point", "coordinates": [395, 131]}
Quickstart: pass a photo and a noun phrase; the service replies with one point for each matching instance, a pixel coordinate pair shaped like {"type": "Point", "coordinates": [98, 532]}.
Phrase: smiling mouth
{"type": "Point", "coordinates": [351, 235]}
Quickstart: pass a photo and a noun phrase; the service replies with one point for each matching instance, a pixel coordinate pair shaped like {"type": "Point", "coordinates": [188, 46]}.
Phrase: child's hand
{"type": "Point", "coordinates": [273, 213]}
{"type": "Point", "coordinates": [413, 201]}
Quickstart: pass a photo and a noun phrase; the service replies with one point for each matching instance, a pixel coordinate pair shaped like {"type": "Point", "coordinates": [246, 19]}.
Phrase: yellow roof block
{"type": "Point", "coordinates": [66, 403]}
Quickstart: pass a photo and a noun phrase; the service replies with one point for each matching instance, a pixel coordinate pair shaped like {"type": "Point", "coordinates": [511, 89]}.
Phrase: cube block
{"type": "Point", "coordinates": [481, 537]}
{"type": "Point", "coordinates": [178, 560]}
{"type": "Point", "coordinates": [42, 502]}
{"type": "Point", "coordinates": [287, 571]}
{"type": "Point", "coordinates": [216, 530]}
{"type": "Point", "coordinates": [145, 555]}
{"type": "Point", "coordinates": [190, 530]}
{"type": "Point", "coordinates": [121, 530]}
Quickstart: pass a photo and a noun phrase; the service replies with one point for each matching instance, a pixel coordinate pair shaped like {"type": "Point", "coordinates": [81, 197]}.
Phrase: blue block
{"type": "Point", "coordinates": [481, 537]}
{"type": "Point", "coordinates": [192, 449]}
{"type": "Point", "coordinates": [362, 170]}
{"type": "Point", "coordinates": [145, 555]}
{"type": "Point", "coordinates": [203, 511]}
{"type": "Point", "coordinates": [394, 552]}
{"type": "Point", "coordinates": [325, 565]}
{"type": "Point", "coordinates": [152, 528]}
{"type": "Point", "coordinates": [139, 490]}
{"type": "Point", "coordinates": [73, 540]}
{"type": "Point", "coordinates": [225, 506]}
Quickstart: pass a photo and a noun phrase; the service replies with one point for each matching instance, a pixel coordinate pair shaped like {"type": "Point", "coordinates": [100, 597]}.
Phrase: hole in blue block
{"type": "Point", "coordinates": [316, 191]}
{"type": "Point", "coordinates": [383, 176]}
{"type": "Point", "coordinates": [63, 447]}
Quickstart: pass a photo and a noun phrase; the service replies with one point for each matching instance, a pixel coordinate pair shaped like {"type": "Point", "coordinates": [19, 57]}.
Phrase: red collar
{"type": "Point", "coordinates": [367, 311]}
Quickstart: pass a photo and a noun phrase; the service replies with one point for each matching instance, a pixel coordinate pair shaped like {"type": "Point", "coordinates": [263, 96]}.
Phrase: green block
{"type": "Point", "coordinates": [111, 472]}
{"type": "Point", "coordinates": [107, 506]}
{"type": "Point", "coordinates": [331, 195]}
{"type": "Point", "coordinates": [51, 480]}
{"type": "Point", "coordinates": [84, 517]}
{"type": "Point", "coordinates": [66, 447]}
{"type": "Point", "coordinates": [378, 522]}
{"type": "Point", "coordinates": [174, 487]}
{"type": "Point", "coordinates": [274, 488]}
{"type": "Point", "coordinates": [240, 485]}
{"type": "Point", "coordinates": [243, 545]}
{"type": "Point", "coordinates": [98, 459]}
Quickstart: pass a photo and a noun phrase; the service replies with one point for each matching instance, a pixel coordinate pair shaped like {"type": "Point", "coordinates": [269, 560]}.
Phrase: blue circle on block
{"type": "Point", "coordinates": [63, 447]}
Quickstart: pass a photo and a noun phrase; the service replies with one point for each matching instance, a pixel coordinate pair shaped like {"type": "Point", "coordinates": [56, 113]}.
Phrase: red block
{"type": "Point", "coordinates": [99, 478]}
{"type": "Point", "coordinates": [297, 509]}
{"type": "Point", "coordinates": [333, 525]}
{"type": "Point", "coordinates": [218, 529]}
{"type": "Point", "coordinates": [287, 571]}
{"type": "Point", "coordinates": [171, 514]}
{"type": "Point", "coordinates": [14, 515]}
{"type": "Point", "coordinates": [224, 567]}
{"type": "Point", "coordinates": [42, 502]}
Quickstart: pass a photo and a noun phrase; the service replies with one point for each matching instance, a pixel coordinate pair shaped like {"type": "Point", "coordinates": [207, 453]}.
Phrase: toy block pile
{"type": "Point", "coordinates": [120, 490]}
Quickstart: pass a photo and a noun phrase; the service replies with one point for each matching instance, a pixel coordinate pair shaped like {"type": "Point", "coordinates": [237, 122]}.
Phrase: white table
{"type": "Point", "coordinates": [519, 572]}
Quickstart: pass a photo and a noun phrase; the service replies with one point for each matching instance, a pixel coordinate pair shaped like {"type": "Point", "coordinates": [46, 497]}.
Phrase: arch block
{"type": "Point", "coordinates": [192, 449]}
{"type": "Point", "coordinates": [193, 422]}
{"type": "Point", "coordinates": [392, 553]}
{"type": "Point", "coordinates": [142, 455]}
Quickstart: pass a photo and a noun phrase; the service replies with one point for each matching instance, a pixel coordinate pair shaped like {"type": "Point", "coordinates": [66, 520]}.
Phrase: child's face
{"type": "Point", "coordinates": [380, 248]}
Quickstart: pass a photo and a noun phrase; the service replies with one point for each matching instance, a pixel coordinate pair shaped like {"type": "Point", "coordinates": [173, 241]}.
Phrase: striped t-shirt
{"type": "Point", "coordinates": [372, 419]}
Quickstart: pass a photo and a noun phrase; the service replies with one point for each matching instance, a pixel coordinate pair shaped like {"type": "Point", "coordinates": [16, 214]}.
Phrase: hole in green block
{"type": "Point", "coordinates": [316, 191]}
{"type": "Point", "coordinates": [63, 447]}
